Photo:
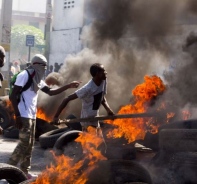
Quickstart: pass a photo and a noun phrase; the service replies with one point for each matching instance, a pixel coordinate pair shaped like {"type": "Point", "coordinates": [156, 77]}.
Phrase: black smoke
{"type": "Point", "coordinates": [133, 38]}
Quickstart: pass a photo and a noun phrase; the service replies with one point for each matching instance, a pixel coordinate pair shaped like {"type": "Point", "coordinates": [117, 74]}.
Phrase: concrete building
{"type": "Point", "coordinates": [67, 23]}
{"type": "Point", "coordinates": [18, 12]}
{"type": "Point", "coordinates": [28, 12]}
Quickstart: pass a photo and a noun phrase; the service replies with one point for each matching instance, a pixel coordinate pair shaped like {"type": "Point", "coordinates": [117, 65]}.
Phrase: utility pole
{"type": "Point", "coordinates": [5, 33]}
{"type": "Point", "coordinates": [48, 29]}
{"type": "Point", "coordinates": [5, 24]}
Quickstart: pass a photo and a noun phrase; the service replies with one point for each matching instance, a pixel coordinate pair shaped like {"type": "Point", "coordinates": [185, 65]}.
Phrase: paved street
{"type": "Point", "coordinates": [40, 158]}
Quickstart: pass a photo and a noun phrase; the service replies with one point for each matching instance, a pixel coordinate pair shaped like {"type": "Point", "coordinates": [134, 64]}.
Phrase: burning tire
{"type": "Point", "coordinates": [73, 125]}
{"type": "Point", "coordinates": [178, 140]}
{"type": "Point", "coordinates": [5, 119]}
{"type": "Point", "coordinates": [185, 167]}
{"type": "Point", "coordinates": [48, 139]}
{"type": "Point", "coordinates": [67, 146]}
{"type": "Point", "coordinates": [119, 172]}
{"type": "Point", "coordinates": [118, 151]}
{"type": "Point", "coordinates": [42, 127]}
{"type": "Point", "coordinates": [12, 174]}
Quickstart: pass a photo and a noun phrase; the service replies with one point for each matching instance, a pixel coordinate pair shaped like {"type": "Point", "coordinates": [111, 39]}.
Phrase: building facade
{"type": "Point", "coordinates": [67, 23]}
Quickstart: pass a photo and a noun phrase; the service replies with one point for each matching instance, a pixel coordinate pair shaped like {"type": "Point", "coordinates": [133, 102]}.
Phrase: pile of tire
{"type": "Point", "coordinates": [120, 165]}
{"type": "Point", "coordinates": [117, 172]}
{"type": "Point", "coordinates": [110, 148]}
{"type": "Point", "coordinates": [176, 160]}
{"type": "Point", "coordinates": [49, 138]}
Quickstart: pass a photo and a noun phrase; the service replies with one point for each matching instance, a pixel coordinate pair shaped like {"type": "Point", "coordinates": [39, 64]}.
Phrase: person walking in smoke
{"type": "Point", "coordinates": [92, 95]}
{"type": "Point", "coordinates": [25, 109]}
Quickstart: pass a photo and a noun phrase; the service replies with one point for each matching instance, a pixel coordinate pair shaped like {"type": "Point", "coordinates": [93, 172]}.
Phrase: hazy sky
{"type": "Point", "coordinates": [28, 5]}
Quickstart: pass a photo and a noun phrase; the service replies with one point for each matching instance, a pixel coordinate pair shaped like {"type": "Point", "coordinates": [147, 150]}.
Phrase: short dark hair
{"type": "Point", "coordinates": [95, 68]}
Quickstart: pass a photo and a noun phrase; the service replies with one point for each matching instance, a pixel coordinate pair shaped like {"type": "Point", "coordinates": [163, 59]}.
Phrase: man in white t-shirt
{"type": "Point", "coordinates": [25, 109]}
{"type": "Point", "coordinates": [92, 95]}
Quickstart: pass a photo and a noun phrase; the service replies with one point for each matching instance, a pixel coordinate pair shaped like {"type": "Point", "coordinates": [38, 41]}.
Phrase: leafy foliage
{"type": "Point", "coordinates": [18, 39]}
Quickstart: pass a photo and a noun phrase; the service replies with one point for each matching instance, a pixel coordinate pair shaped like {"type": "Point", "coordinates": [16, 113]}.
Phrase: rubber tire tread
{"type": "Point", "coordinates": [118, 172]}
{"type": "Point", "coordinates": [48, 139]}
{"type": "Point", "coordinates": [178, 140]}
{"type": "Point", "coordinates": [11, 132]}
{"type": "Point", "coordinates": [135, 171]}
{"type": "Point", "coordinates": [6, 117]}
{"type": "Point", "coordinates": [11, 173]}
{"type": "Point", "coordinates": [64, 139]}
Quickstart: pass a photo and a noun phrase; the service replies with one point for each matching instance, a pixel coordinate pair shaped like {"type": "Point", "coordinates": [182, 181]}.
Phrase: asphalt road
{"type": "Point", "coordinates": [40, 159]}
{"type": "Point", "coordinates": [43, 157]}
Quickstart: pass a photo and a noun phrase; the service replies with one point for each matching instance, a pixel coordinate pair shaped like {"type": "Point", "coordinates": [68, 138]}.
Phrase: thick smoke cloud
{"type": "Point", "coordinates": [131, 39]}
{"type": "Point", "coordinates": [183, 80]}
{"type": "Point", "coordinates": [149, 20]}
{"type": "Point", "coordinates": [192, 6]}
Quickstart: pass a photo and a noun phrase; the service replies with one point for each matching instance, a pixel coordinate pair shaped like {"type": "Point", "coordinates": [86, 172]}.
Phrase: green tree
{"type": "Point", "coordinates": [18, 41]}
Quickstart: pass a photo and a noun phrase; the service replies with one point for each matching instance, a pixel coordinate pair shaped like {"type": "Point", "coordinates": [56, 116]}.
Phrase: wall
{"type": "Point", "coordinates": [68, 14]}
{"type": "Point", "coordinates": [67, 22]}
{"type": "Point", "coordinates": [64, 43]}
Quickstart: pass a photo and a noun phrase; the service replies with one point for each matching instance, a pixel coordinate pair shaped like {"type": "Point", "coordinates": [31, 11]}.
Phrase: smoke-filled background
{"type": "Point", "coordinates": [133, 38]}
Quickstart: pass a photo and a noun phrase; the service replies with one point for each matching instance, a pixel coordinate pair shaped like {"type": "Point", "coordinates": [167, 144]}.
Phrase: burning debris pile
{"type": "Point", "coordinates": [69, 170]}
{"type": "Point", "coordinates": [66, 170]}
{"type": "Point", "coordinates": [132, 39]}
{"type": "Point", "coordinates": [143, 95]}
{"type": "Point", "coordinates": [145, 99]}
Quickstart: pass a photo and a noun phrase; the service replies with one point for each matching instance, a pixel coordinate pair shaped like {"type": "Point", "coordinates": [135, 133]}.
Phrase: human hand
{"type": "Point", "coordinates": [18, 123]}
{"type": "Point", "coordinates": [74, 84]}
{"type": "Point", "coordinates": [55, 121]}
{"type": "Point", "coordinates": [1, 77]}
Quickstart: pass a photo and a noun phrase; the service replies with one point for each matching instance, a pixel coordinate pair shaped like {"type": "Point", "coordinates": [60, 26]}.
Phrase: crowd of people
{"type": "Point", "coordinates": [16, 67]}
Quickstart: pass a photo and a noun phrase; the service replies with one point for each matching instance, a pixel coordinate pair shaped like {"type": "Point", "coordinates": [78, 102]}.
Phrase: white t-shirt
{"type": "Point", "coordinates": [28, 101]}
{"type": "Point", "coordinates": [91, 96]}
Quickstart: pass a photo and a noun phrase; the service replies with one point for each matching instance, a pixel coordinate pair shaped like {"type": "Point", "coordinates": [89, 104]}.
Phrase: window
{"type": "Point", "coordinates": [69, 4]}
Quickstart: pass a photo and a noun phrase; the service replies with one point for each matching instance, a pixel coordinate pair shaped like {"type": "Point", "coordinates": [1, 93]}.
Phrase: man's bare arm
{"type": "Point", "coordinates": [73, 84]}
{"type": "Point", "coordinates": [64, 104]}
{"type": "Point", "coordinates": [13, 98]}
{"type": "Point", "coordinates": [106, 106]}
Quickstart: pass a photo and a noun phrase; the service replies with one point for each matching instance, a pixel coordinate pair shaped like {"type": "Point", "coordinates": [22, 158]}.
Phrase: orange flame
{"type": "Point", "coordinates": [41, 114]}
{"type": "Point", "coordinates": [66, 170]}
{"type": "Point", "coordinates": [144, 94]}
{"type": "Point", "coordinates": [186, 114]}
{"type": "Point", "coordinates": [8, 104]}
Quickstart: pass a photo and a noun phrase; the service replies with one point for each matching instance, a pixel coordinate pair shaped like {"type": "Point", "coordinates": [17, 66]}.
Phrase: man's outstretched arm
{"type": "Point", "coordinates": [63, 105]}
{"type": "Point", "coordinates": [106, 106]}
{"type": "Point", "coordinates": [51, 92]}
